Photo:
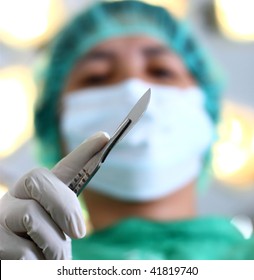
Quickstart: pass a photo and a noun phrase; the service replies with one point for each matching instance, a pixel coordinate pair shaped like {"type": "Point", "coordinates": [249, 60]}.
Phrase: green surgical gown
{"type": "Point", "coordinates": [203, 238]}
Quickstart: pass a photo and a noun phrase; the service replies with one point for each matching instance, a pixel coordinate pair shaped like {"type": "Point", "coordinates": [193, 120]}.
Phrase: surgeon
{"type": "Point", "coordinates": [142, 202]}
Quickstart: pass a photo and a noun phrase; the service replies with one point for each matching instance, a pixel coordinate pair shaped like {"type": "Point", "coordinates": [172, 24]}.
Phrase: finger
{"type": "Point", "coordinates": [69, 166]}
{"type": "Point", "coordinates": [13, 247]}
{"type": "Point", "coordinates": [55, 197]}
{"type": "Point", "coordinates": [28, 217]}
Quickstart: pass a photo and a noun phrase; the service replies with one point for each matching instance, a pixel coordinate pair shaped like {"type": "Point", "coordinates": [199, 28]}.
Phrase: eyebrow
{"type": "Point", "coordinates": [154, 51]}
{"type": "Point", "coordinates": [99, 55]}
{"type": "Point", "coordinates": [148, 51]}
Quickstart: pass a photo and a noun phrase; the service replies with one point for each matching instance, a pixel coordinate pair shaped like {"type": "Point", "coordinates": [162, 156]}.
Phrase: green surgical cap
{"type": "Point", "coordinates": [103, 21]}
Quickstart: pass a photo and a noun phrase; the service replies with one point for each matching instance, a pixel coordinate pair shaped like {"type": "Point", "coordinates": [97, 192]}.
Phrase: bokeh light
{"type": "Point", "coordinates": [17, 95]}
{"type": "Point", "coordinates": [29, 23]}
{"type": "Point", "coordinates": [3, 190]}
{"type": "Point", "coordinates": [235, 19]}
{"type": "Point", "coordinates": [178, 8]}
{"type": "Point", "coordinates": [233, 161]}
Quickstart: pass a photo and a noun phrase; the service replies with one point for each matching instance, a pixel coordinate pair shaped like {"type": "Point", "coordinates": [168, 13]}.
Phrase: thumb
{"type": "Point", "coordinates": [67, 168]}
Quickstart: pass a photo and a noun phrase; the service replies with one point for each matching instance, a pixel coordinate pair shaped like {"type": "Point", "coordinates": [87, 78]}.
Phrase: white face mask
{"type": "Point", "coordinates": [161, 154]}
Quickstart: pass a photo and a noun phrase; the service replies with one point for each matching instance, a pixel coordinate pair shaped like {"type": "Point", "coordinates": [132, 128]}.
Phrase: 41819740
{"type": "Point", "coordinates": [177, 270]}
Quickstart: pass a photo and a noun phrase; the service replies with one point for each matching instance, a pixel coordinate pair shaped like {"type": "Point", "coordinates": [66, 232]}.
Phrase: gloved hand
{"type": "Point", "coordinates": [40, 213]}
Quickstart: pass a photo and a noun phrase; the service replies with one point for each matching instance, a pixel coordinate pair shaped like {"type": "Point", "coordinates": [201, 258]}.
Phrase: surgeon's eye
{"type": "Point", "coordinates": [161, 73]}
{"type": "Point", "coordinates": [94, 80]}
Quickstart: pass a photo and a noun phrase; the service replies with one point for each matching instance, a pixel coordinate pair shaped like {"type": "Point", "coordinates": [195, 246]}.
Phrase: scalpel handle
{"type": "Point", "coordinates": [80, 181]}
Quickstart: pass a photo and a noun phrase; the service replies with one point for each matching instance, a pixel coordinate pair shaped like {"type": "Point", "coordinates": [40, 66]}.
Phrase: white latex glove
{"type": "Point", "coordinates": [40, 213]}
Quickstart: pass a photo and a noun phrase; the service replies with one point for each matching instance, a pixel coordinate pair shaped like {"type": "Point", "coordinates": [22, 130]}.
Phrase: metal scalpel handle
{"type": "Point", "coordinates": [91, 167]}
{"type": "Point", "coordinates": [88, 171]}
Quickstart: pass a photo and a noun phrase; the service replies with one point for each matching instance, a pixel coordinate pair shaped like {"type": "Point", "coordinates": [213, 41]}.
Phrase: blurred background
{"type": "Point", "coordinates": [226, 29]}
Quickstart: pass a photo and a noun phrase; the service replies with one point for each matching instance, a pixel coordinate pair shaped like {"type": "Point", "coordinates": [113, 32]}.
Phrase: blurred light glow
{"type": "Point", "coordinates": [235, 18]}
{"type": "Point", "coordinates": [3, 190]}
{"type": "Point", "coordinates": [229, 158]}
{"type": "Point", "coordinates": [244, 225]}
{"type": "Point", "coordinates": [29, 23]}
{"type": "Point", "coordinates": [17, 93]}
{"type": "Point", "coordinates": [178, 8]}
{"type": "Point", "coordinates": [236, 132]}
{"type": "Point", "coordinates": [233, 153]}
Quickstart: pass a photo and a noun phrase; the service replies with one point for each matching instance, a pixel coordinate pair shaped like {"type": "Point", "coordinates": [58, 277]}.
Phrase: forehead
{"type": "Point", "coordinates": [131, 41]}
{"type": "Point", "coordinates": [127, 45]}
